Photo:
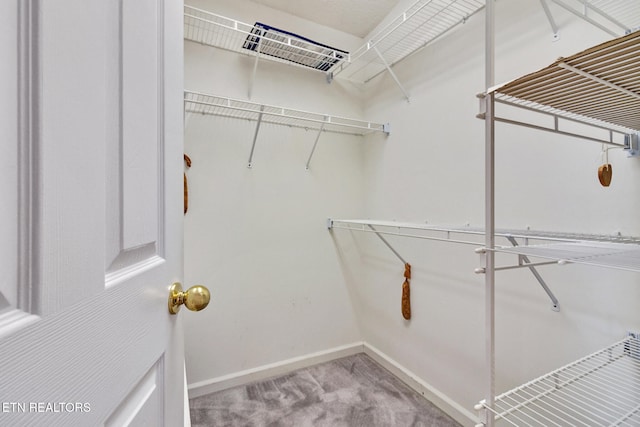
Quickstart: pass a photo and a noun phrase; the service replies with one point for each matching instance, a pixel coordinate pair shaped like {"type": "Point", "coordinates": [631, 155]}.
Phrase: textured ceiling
{"type": "Point", "coordinates": [357, 17]}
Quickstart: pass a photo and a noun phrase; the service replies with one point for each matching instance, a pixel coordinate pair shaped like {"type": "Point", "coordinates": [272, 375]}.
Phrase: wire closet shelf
{"type": "Point", "coordinates": [200, 103]}
{"type": "Point", "coordinates": [422, 23]}
{"type": "Point", "coordinates": [599, 88]}
{"type": "Point", "coordinates": [602, 389]}
{"type": "Point", "coordinates": [269, 43]}
{"type": "Point", "coordinates": [611, 251]}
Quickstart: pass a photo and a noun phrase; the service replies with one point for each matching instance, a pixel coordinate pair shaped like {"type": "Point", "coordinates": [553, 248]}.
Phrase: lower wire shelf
{"type": "Point", "coordinates": [602, 389]}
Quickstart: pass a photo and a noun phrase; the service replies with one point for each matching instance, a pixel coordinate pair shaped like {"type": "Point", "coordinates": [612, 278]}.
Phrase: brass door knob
{"type": "Point", "coordinates": [195, 298]}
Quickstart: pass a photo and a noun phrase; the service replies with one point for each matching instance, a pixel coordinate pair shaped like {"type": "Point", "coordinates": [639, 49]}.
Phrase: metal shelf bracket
{"type": "Point", "coordinates": [588, 10]}
{"type": "Point", "coordinates": [315, 144]}
{"type": "Point", "coordinates": [552, 22]}
{"type": "Point", "coordinates": [387, 243]}
{"type": "Point", "coordinates": [393, 75]}
{"type": "Point", "coordinates": [377, 233]}
{"type": "Point", "coordinates": [255, 137]}
{"type": "Point", "coordinates": [524, 261]}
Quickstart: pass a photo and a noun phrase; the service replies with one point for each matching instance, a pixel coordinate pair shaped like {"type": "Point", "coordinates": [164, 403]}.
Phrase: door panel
{"type": "Point", "coordinates": [98, 172]}
{"type": "Point", "coordinates": [8, 157]}
{"type": "Point", "coordinates": [143, 406]}
{"type": "Point", "coordinates": [71, 151]}
{"type": "Point", "coordinates": [75, 357]}
{"type": "Point", "coordinates": [135, 190]}
{"type": "Point", "coordinates": [141, 41]}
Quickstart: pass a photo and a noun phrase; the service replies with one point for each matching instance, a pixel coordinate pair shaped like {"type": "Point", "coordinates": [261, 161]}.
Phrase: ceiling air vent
{"type": "Point", "coordinates": [291, 47]}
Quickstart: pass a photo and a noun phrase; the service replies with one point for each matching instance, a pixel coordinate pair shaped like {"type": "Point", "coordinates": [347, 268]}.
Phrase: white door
{"type": "Point", "coordinates": [90, 212]}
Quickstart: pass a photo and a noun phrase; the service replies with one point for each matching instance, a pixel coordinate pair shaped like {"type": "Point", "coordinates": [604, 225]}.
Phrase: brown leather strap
{"type": "Point", "coordinates": [406, 293]}
{"type": "Point", "coordinates": [186, 190]}
{"type": "Point", "coordinates": [186, 194]}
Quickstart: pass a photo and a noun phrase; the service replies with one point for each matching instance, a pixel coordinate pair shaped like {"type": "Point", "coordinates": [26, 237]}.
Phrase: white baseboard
{"type": "Point", "coordinates": [442, 401]}
{"type": "Point", "coordinates": [274, 369]}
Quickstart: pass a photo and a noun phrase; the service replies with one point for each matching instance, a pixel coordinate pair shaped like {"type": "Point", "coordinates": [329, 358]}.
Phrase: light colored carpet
{"type": "Point", "coordinates": [353, 391]}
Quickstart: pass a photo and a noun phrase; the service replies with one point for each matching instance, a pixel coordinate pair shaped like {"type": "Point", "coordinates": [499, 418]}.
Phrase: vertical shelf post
{"type": "Point", "coordinates": [489, 171]}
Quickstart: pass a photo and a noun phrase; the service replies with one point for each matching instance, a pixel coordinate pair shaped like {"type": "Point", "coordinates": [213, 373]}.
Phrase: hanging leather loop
{"type": "Point", "coordinates": [406, 293]}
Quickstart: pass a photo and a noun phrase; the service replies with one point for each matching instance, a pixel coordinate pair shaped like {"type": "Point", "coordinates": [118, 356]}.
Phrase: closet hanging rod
{"type": "Point", "coordinates": [196, 102]}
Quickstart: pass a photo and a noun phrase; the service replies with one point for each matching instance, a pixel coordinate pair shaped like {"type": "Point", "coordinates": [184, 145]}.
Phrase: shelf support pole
{"type": "Point", "coordinates": [316, 143]}
{"type": "Point", "coordinates": [255, 137]}
{"type": "Point", "coordinates": [489, 170]}
{"type": "Point", "coordinates": [387, 243]}
{"type": "Point", "coordinates": [393, 75]}
{"type": "Point", "coordinates": [554, 300]}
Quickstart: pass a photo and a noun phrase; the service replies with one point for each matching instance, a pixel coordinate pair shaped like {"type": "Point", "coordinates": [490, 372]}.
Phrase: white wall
{"type": "Point", "coordinates": [257, 237]}
{"type": "Point", "coordinates": [283, 287]}
{"type": "Point", "coordinates": [431, 169]}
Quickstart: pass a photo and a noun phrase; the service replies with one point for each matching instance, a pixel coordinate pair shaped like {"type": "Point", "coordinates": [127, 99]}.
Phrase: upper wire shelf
{"type": "Point", "coordinates": [602, 389]}
{"type": "Point", "coordinates": [195, 102]}
{"type": "Point", "coordinates": [422, 23]}
{"type": "Point", "coordinates": [599, 87]}
{"type": "Point", "coordinates": [270, 43]}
